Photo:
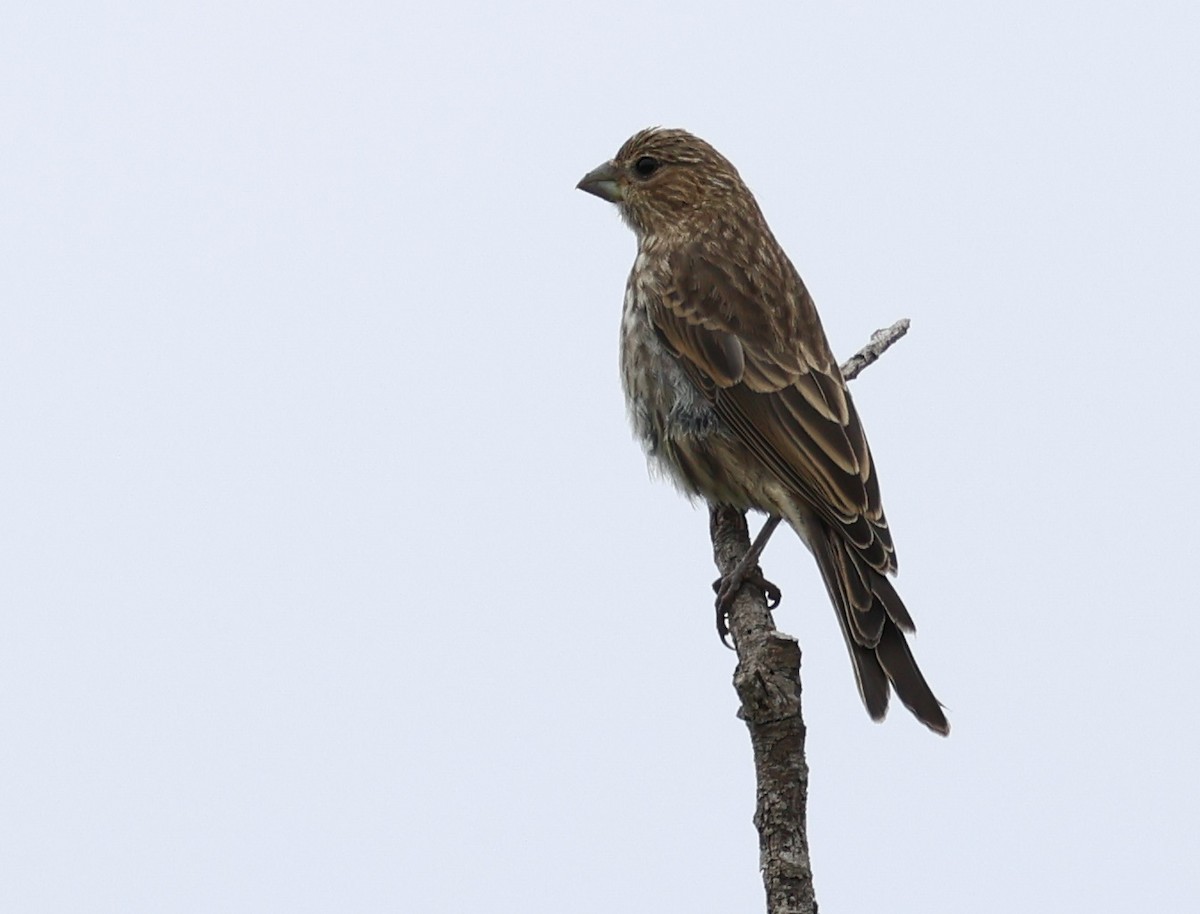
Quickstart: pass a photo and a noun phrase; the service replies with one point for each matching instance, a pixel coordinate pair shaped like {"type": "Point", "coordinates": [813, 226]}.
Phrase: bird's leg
{"type": "Point", "coordinates": [746, 572]}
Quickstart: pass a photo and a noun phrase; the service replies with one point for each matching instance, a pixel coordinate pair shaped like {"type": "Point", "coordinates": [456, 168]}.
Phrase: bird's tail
{"type": "Point", "coordinates": [874, 619]}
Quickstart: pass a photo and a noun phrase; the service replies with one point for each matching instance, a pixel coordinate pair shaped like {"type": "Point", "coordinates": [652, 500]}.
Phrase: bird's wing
{"type": "Point", "coordinates": [760, 354]}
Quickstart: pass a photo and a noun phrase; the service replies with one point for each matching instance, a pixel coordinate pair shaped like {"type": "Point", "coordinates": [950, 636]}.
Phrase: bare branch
{"type": "Point", "coordinates": [881, 340]}
{"type": "Point", "coordinates": [767, 680]}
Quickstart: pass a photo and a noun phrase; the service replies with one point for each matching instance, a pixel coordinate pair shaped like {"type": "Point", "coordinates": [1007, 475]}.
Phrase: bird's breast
{"type": "Point", "coordinates": [674, 421]}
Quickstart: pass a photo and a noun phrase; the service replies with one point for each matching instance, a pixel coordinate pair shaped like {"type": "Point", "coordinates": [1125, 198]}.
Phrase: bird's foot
{"type": "Point", "coordinates": [727, 589]}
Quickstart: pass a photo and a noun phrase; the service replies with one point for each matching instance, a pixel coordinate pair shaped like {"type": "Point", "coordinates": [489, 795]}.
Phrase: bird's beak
{"type": "Point", "coordinates": [602, 182]}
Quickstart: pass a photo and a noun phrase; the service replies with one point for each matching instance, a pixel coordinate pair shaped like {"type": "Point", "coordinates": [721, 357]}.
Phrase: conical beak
{"type": "Point", "coordinates": [602, 182]}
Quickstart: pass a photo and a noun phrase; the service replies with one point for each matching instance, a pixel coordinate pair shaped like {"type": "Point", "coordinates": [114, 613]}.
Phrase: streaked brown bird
{"type": "Point", "coordinates": [737, 398]}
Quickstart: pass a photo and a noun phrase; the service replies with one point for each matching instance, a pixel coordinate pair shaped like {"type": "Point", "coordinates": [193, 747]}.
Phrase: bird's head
{"type": "Point", "coordinates": [667, 183]}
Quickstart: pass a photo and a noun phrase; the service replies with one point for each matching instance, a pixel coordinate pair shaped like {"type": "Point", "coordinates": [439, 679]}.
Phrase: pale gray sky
{"type": "Point", "coordinates": [332, 580]}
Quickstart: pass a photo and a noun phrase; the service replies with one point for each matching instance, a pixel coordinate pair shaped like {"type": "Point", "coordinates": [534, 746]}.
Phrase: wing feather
{"type": "Point", "coordinates": [757, 349]}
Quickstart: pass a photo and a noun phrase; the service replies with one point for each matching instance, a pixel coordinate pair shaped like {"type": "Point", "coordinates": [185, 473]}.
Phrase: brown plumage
{"type": "Point", "coordinates": [736, 396]}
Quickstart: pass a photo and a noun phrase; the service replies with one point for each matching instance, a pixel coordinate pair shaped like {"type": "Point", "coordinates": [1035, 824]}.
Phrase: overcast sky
{"type": "Point", "coordinates": [332, 580]}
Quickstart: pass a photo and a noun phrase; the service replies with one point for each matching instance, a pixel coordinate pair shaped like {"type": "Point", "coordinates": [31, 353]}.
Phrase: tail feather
{"type": "Point", "coordinates": [905, 676]}
{"type": "Point", "coordinates": [868, 673]}
{"type": "Point", "coordinates": [896, 610]}
{"type": "Point", "coordinates": [853, 581]}
{"type": "Point", "coordinates": [874, 632]}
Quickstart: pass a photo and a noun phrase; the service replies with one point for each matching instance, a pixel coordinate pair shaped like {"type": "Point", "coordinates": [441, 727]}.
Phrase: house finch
{"type": "Point", "coordinates": [736, 396]}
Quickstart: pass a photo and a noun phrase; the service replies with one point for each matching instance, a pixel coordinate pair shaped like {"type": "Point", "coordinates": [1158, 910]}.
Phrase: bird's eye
{"type": "Point", "coordinates": [645, 166]}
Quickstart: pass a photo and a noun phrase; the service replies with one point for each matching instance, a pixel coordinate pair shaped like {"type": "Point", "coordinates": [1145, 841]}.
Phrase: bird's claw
{"type": "Point", "coordinates": [726, 589]}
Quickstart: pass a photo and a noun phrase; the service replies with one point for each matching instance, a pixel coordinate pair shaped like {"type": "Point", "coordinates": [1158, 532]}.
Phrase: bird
{"type": "Point", "coordinates": [734, 393]}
